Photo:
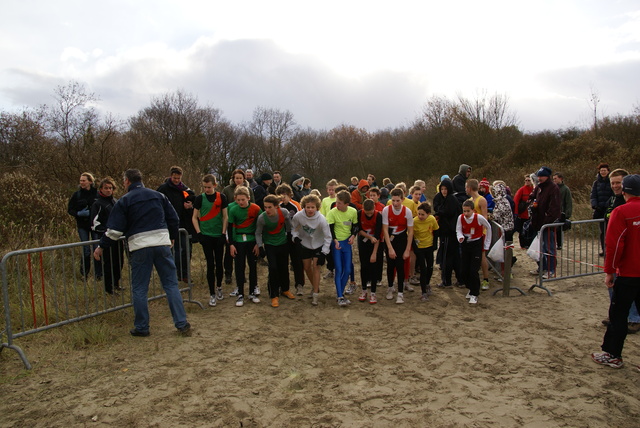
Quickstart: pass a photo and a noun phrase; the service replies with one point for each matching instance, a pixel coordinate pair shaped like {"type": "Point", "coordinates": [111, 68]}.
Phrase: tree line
{"type": "Point", "coordinates": [53, 144]}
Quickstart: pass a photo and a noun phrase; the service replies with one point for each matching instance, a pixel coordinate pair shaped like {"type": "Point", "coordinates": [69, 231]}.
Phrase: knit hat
{"type": "Point", "coordinates": [631, 184]}
{"type": "Point", "coordinates": [544, 171]}
{"type": "Point", "coordinates": [484, 183]}
{"type": "Point", "coordinates": [443, 177]}
{"type": "Point", "coordinates": [266, 176]}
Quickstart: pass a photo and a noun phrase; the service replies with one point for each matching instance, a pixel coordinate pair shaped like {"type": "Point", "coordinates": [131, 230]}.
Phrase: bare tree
{"type": "Point", "coordinates": [272, 130]}
{"type": "Point", "coordinates": [594, 101]}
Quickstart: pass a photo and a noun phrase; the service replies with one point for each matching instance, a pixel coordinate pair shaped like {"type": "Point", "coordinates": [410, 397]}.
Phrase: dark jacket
{"type": "Point", "coordinates": [297, 189]}
{"type": "Point", "coordinates": [144, 216]}
{"type": "Point", "coordinates": [178, 195]}
{"type": "Point", "coordinates": [100, 211]}
{"type": "Point", "coordinates": [81, 202]}
{"type": "Point", "coordinates": [600, 194]}
{"type": "Point", "coordinates": [545, 204]}
{"type": "Point", "coordinates": [446, 209]}
{"type": "Point", "coordinates": [459, 182]}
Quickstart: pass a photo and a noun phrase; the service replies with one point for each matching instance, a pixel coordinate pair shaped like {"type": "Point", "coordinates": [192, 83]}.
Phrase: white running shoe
{"type": "Point", "coordinates": [408, 286]}
{"type": "Point", "coordinates": [256, 291]}
{"type": "Point", "coordinates": [299, 291]}
{"type": "Point", "coordinates": [234, 293]}
{"type": "Point", "coordinates": [212, 300]}
{"type": "Point", "coordinates": [473, 300]}
{"type": "Point", "coordinates": [254, 298]}
{"type": "Point", "coordinates": [363, 296]}
{"type": "Point", "coordinates": [314, 298]}
{"type": "Point", "coordinates": [351, 288]}
{"type": "Point", "coordinates": [400, 298]}
{"type": "Point", "coordinates": [468, 296]}
{"type": "Point", "coordinates": [240, 300]}
{"type": "Point", "coordinates": [342, 301]}
{"type": "Point", "coordinates": [220, 295]}
{"type": "Point", "coordinates": [389, 293]}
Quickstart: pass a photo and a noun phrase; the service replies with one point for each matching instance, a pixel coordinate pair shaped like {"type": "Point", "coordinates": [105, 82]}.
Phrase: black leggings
{"type": "Point", "coordinates": [278, 259]}
{"type": "Point", "coordinates": [424, 260]}
{"type": "Point", "coordinates": [399, 244]}
{"type": "Point", "coordinates": [213, 248]}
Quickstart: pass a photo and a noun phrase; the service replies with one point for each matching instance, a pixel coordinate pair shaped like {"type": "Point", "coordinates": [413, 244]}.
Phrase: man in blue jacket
{"type": "Point", "coordinates": [150, 225]}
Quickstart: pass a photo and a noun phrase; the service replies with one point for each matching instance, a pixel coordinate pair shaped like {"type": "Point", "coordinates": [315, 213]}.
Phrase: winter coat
{"type": "Point", "coordinates": [447, 209]}
{"type": "Point", "coordinates": [600, 194]}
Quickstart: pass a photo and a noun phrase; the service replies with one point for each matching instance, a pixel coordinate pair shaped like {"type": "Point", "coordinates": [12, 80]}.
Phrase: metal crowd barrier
{"type": "Point", "coordinates": [502, 269]}
{"type": "Point", "coordinates": [577, 256]}
{"type": "Point", "coordinates": [44, 288]}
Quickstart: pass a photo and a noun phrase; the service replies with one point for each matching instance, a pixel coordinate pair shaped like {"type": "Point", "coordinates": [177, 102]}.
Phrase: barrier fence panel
{"type": "Point", "coordinates": [568, 253]}
{"type": "Point", "coordinates": [44, 288]}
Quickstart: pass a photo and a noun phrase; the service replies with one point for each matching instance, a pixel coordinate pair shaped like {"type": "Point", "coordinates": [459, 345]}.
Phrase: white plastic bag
{"type": "Point", "coordinates": [497, 251]}
{"type": "Point", "coordinates": [534, 249]}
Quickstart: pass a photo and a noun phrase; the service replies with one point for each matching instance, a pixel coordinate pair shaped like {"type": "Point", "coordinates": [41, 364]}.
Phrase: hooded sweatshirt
{"type": "Point", "coordinates": [447, 209]}
{"type": "Point", "coordinates": [313, 231]}
{"type": "Point", "coordinates": [359, 195]}
{"type": "Point", "coordinates": [502, 212]}
{"type": "Point", "coordinates": [459, 182]}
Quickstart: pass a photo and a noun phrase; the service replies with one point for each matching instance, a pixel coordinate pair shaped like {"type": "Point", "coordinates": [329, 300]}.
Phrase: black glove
{"type": "Point", "coordinates": [321, 259]}
{"type": "Point", "coordinates": [198, 237]}
{"type": "Point", "coordinates": [297, 240]}
{"type": "Point", "coordinates": [262, 252]}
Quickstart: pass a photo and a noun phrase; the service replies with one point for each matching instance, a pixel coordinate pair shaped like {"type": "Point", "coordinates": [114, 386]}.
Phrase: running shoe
{"type": "Point", "coordinates": [240, 301]}
{"type": "Point", "coordinates": [485, 284]}
{"type": "Point", "coordinates": [212, 300]}
{"type": "Point", "coordinates": [254, 298]}
{"type": "Point", "coordinates": [389, 293]}
{"type": "Point", "coordinates": [219, 294]}
{"type": "Point", "coordinates": [424, 297]}
{"type": "Point", "coordinates": [351, 287]}
{"type": "Point", "coordinates": [373, 299]}
{"type": "Point", "coordinates": [314, 299]}
{"type": "Point", "coordinates": [473, 300]}
{"type": "Point", "coordinates": [400, 298]}
{"type": "Point", "coordinates": [256, 291]}
{"type": "Point", "coordinates": [234, 293]}
{"type": "Point", "coordinates": [363, 296]}
{"type": "Point", "coordinates": [342, 301]}
{"type": "Point", "coordinates": [606, 359]}
{"type": "Point", "coordinates": [408, 286]}
{"type": "Point", "coordinates": [299, 291]}
{"type": "Point", "coordinates": [288, 294]}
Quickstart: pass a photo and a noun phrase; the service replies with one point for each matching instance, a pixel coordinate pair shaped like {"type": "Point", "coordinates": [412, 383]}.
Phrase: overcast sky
{"type": "Point", "coordinates": [370, 64]}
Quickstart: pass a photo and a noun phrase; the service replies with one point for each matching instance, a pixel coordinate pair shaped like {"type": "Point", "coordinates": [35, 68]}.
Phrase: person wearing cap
{"type": "Point", "coordinates": [545, 209]}
{"type": "Point", "coordinates": [622, 271]}
{"type": "Point", "coordinates": [265, 183]}
{"type": "Point", "coordinates": [615, 178]}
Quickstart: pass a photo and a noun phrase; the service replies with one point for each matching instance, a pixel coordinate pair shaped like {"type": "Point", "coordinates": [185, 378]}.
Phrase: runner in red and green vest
{"type": "Point", "coordinates": [241, 231]}
{"type": "Point", "coordinates": [210, 222]}
{"type": "Point", "coordinates": [271, 233]}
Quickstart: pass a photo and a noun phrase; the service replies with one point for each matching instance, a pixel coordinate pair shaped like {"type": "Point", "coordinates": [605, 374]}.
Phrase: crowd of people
{"type": "Point", "coordinates": [290, 225]}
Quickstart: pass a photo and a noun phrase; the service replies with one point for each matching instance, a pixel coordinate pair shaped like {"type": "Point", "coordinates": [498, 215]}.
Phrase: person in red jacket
{"type": "Point", "coordinates": [360, 194]}
{"type": "Point", "coordinates": [622, 271]}
{"type": "Point", "coordinates": [522, 213]}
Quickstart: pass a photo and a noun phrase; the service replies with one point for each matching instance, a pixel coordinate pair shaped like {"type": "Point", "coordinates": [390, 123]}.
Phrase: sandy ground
{"type": "Point", "coordinates": [521, 361]}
